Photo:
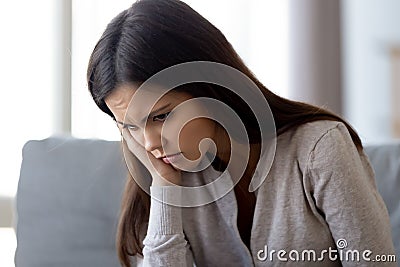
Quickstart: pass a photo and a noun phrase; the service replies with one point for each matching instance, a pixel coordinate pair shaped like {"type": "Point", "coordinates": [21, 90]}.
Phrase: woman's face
{"type": "Point", "coordinates": [147, 130]}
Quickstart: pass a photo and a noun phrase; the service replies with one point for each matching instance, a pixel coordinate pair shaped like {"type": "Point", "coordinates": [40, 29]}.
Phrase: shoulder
{"type": "Point", "coordinates": [306, 136]}
{"type": "Point", "coordinates": [315, 141]}
{"type": "Point", "coordinates": [312, 132]}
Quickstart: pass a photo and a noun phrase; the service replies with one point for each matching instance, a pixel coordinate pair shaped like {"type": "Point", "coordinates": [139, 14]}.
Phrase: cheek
{"type": "Point", "coordinates": [193, 132]}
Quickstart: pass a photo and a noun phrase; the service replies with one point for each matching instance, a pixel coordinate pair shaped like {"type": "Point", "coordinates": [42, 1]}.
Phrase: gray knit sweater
{"type": "Point", "coordinates": [318, 206]}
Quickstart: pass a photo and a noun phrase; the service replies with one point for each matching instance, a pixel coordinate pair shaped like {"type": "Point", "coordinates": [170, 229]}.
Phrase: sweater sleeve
{"type": "Point", "coordinates": [165, 243]}
{"type": "Point", "coordinates": [345, 192]}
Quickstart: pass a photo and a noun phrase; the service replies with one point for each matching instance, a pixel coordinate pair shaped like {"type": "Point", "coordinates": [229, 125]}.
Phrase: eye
{"type": "Point", "coordinates": [161, 117]}
{"type": "Point", "coordinates": [130, 127]}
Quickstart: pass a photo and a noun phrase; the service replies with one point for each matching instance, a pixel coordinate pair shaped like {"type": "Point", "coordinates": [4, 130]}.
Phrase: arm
{"type": "Point", "coordinates": [165, 243]}
{"type": "Point", "coordinates": [344, 189]}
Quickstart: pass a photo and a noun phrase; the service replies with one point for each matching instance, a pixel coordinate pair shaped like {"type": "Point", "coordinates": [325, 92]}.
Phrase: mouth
{"type": "Point", "coordinates": [171, 158]}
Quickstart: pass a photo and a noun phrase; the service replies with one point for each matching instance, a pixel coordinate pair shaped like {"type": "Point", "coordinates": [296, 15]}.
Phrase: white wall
{"type": "Point", "coordinates": [369, 28]}
{"type": "Point", "coordinates": [29, 80]}
{"type": "Point", "coordinates": [31, 106]}
{"type": "Point", "coordinates": [315, 65]}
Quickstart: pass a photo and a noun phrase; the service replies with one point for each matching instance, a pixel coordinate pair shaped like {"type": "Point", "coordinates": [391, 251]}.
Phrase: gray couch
{"type": "Point", "coordinates": [69, 196]}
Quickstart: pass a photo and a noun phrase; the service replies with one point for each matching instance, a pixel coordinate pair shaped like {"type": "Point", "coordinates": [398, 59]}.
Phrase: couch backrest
{"type": "Point", "coordinates": [385, 160]}
{"type": "Point", "coordinates": [68, 201]}
{"type": "Point", "coordinates": [69, 197]}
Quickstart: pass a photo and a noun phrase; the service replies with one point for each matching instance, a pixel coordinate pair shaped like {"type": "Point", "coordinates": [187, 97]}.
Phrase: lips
{"type": "Point", "coordinates": [171, 158]}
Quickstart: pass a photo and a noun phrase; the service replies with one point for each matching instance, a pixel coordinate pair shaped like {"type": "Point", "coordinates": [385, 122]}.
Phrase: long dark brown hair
{"type": "Point", "coordinates": [150, 36]}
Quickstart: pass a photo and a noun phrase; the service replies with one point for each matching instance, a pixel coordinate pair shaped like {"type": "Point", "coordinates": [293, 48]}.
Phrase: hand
{"type": "Point", "coordinates": [163, 174]}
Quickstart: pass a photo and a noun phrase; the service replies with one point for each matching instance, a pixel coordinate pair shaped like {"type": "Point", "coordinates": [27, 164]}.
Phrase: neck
{"type": "Point", "coordinates": [243, 153]}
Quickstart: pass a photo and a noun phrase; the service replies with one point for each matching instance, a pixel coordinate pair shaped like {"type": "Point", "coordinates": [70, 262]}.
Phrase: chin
{"type": "Point", "coordinates": [192, 165]}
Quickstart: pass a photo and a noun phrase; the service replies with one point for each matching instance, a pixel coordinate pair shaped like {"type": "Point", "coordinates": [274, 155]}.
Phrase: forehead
{"type": "Point", "coordinates": [127, 99]}
{"type": "Point", "coordinates": [125, 92]}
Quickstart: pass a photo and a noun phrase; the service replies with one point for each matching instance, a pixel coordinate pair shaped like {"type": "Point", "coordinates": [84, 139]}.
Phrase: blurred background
{"type": "Point", "coordinates": [342, 55]}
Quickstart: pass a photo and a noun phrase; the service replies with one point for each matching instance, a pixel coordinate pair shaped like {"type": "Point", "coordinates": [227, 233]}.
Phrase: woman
{"type": "Point", "coordinates": [318, 200]}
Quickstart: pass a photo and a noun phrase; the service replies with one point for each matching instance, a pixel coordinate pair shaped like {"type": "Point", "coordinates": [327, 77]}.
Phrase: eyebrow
{"type": "Point", "coordinates": [145, 118]}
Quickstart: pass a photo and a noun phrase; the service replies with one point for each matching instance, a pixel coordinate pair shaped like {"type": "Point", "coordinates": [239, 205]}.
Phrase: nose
{"type": "Point", "coordinates": [152, 140]}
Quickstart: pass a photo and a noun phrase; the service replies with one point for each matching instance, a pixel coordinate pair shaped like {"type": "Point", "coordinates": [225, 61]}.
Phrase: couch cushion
{"type": "Point", "coordinates": [68, 202]}
{"type": "Point", "coordinates": [385, 160]}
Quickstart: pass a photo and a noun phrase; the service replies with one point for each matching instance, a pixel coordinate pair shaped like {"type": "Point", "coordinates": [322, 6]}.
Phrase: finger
{"type": "Point", "coordinates": [133, 145]}
{"type": "Point", "coordinates": [129, 139]}
{"type": "Point", "coordinates": [136, 148]}
{"type": "Point", "coordinates": [136, 168]}
{"type": "Point", "coordinates": [156, 167]}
